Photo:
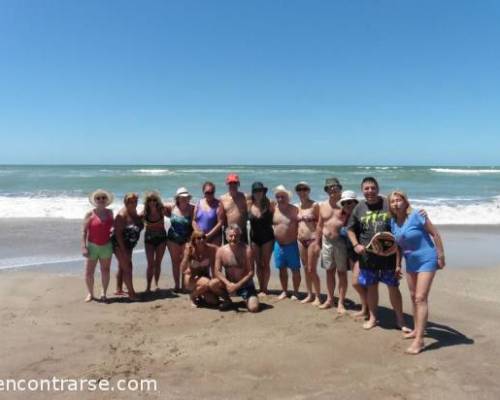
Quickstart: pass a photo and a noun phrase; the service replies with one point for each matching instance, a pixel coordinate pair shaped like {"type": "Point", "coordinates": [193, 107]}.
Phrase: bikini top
{"type": "Point", "coordinates": [200, 266]}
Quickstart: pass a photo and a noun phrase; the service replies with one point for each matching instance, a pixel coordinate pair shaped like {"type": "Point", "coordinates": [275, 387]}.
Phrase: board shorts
{"type": "Point", "coordinates": [287, 256]}
{"type": "Point", "coordinates": [96, 252]}
{"type": "Point", "coordinates": [369, 277]}
{"type": "Point", "coordinates": [334, 254]}
{"type": "Point", "coordinates": [247, 290]}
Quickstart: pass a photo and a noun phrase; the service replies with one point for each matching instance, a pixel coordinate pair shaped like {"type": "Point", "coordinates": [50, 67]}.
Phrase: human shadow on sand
{"type": "Point", "coordinates": [443, 335]}
{"type": "Point", "coordinates": [145, 297]}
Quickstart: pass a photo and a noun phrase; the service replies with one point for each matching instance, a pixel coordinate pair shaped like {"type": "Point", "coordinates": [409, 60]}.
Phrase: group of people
{"type": "Point", "coordinates": [217, 244]}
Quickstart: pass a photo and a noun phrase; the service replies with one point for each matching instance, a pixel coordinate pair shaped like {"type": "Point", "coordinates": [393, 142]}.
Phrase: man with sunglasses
{"type": "Point", "coordinates": [334, 257]}
{"type": "Point", "coordinates": [234, 206]}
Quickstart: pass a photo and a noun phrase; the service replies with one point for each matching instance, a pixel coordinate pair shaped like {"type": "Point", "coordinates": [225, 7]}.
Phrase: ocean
{"type": "Point", "coordinates": [451, 195]}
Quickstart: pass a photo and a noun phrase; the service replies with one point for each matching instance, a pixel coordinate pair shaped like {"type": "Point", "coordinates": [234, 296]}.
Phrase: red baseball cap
{"type": "Point", "coordinates": [232, 178]}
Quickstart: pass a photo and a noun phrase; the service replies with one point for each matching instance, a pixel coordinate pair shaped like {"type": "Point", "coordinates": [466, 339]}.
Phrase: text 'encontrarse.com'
{"type": "Point", "coordinates": [55, 384]}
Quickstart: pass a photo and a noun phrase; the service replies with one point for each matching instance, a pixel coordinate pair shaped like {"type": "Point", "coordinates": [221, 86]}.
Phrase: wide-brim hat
{"type": "Point", "coordinates": [182, 192]}
{"type": "Point", "coordinates": [110, 197]}
{"type": "Point", "coordinates": [282, 189]}
{"type": "Point", "coordinates": [302, 184]}
{"type": "Point", "coordinates": [258, 186]}
{"type": "Point", "coordinates": [347, 195]}
{"type": "Point", "coordinates": [383, 244]}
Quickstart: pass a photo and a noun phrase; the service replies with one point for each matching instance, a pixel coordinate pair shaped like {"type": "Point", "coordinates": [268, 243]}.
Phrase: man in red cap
{"type": "Point", "coordinates": [234, 206]}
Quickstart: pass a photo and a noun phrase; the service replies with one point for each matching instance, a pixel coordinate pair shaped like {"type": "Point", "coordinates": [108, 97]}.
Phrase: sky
{"type": "Point", "coordinates": [331, 82]}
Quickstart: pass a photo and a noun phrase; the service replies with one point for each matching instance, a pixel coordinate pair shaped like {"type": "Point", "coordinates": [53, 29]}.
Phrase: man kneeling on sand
{"type": "Point", "coordinates": [236, 258]}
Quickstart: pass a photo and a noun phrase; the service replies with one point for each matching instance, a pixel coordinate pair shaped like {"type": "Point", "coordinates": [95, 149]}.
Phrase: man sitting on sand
{"type": "Point", "coordinates": [236, 258]}
{"type": "Point", "coordinates": [234, 206]}
{"type": "Point", "coordinates": [286, 248]}
{"type": "Point", "coordinates": [333, 245]}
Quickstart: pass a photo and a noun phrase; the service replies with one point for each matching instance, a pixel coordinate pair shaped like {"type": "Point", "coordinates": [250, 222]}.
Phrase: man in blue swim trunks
{"type": "Point", "coordinates": [286, 248]}
{"type": "Point", "coordinates": [236, 258]}
{"type": "Point", "coordinates": [368, 218]}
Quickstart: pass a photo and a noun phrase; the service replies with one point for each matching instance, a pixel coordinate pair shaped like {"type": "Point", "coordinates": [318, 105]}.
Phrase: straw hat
{"type": "Point", "coordinates": [347, 195]}
{"type": "Point", "coordinates": [102, 192]}
{"type": "Point", "coordinates": [282, 189]}
{"type": "Point", "coordinates": [182, 192]}
{"type": "Point", "coordinates": [383, 244]}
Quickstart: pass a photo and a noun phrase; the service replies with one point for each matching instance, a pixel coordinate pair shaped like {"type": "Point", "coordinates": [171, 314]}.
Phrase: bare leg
{"type": "Point", "coordinates": [119, 275]}
{"type": "Point", "coordinates": [266, 252]}
{"type": "Point", "coordinates": [150, 256]}
{"type": "Point", "coordinates": [362, 292]}
{"type": "Point", "coordinates": [411, 278]}
{"type": "Point", "coordinates": [89, 278]}
{"type": "Point", "coordinates": [159, 253]}
{"type": "Point", "coordinates": [296, 278]}
{"type": "Point", "coordinates": [342, 291]}
{"type": "Point", "coordinates": [284, 283]}
{"type": "Point", "coordinates": [313, 255]}
{"type": "Point", "coordinates": [304, 258]}
{"type": "Point", "coordinates": [424, 282]}
{"type": "Point", "coordinates": [330, 286]}
{"type": "Point", "coordinates": [124, 258]}
{"type": "Point", "coordinates": [257, 254]}
{"type": "Point", "coordinates": [397, 305]}
{"type": "Point", "coordinates": [176, 252]}
{"type": "Point", "coordinates": [372, 300]}
{"type": "Point", "coordinates": [105, 276]}
{"type": "Point", "coordinates": [200, 287]}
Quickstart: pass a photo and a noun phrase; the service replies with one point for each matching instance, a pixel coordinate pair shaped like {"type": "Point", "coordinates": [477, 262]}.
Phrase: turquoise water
{"type": "Point", "coordinates": [455, 195]}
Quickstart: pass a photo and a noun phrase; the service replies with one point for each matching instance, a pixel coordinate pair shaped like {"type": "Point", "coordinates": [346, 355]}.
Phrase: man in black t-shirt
{"type": "Point", "coordinates": [368, 218]}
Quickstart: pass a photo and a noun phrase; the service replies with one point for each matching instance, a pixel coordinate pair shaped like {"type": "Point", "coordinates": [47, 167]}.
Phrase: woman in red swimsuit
{"type": "Point", "coordinates": [96, 243]}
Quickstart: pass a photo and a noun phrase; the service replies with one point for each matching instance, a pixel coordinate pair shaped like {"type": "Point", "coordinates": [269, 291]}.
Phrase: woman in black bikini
{"type": "Point", "coordinates": [260, 214]}
{"type": "Point", "coordinates": [126, 234]}
{"type": "Point", "coordinates": [198, 267]}
{"type": "Point", "coordinates": [155, 237]}
{"type": "Point", "coordinates": [308, 218]}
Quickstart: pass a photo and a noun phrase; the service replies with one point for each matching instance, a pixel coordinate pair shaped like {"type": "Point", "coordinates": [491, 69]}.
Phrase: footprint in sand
{"type": "Point", "coordinates": [321, 325]}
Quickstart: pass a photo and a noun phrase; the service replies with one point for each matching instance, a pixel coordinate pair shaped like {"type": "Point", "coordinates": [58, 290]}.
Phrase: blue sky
{"type": "Point", "coordinates": [252, 82]}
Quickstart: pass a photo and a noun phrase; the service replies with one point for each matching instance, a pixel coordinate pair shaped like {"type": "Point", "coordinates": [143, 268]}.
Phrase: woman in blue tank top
{"type": "Point", "coordinates": [421, 245]}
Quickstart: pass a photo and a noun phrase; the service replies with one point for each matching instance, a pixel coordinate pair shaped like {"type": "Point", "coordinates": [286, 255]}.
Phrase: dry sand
{"type": "Point", "coordinates": [287, 351]}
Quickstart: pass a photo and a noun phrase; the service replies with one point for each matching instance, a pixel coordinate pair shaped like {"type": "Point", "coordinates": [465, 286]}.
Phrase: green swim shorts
{"type": "Point", "coordinates": [103, 252]}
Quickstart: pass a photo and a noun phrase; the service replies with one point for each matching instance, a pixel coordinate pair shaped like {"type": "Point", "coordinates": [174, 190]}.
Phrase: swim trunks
{"type": "Point", "coordinates": [247, 290]}
{"type": "Point", "coordinates": [97, 252]}
{"type": "Point", "coordinates": [369, 277]}
{"type": "Point", "coordinates": [334, 254]}
{"type": "Point", "coordinates": [287, 256]}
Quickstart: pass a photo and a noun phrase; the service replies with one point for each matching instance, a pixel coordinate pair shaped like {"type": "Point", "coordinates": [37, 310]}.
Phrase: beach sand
{"type": "Point", "coordinates": [287, 351]}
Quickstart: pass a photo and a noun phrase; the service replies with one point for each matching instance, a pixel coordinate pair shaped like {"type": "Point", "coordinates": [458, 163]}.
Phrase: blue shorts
{"type": "Point", "coordinates": [247, 290]}
{"type": "Point", "coordinates": [287, 256]}
{"type": "Point", "coordinates": [369, 277]}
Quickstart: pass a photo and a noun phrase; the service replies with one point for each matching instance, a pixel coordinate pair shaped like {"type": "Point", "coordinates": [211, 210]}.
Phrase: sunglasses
{"type": "Point", "coordinates": [302, 189]}
{"type": "Point", "coordinates": [98, 198]}
{"type": "Point", "coordinates": [333, 188]}
{"type": "Point", "coordinates": [280, 196]}
{"type": "Point", "coordinates": [207, 193]}
{"type": "Point", "coordinates": [258, 190]}
{"type": "Point", "coordinates": [152, 201]}
{"type": "Point", "coordinates": [348, 202]}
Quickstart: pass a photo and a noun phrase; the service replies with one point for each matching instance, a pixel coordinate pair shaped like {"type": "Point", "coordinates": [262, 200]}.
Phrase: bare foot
{"type": "Point", "coordinates": [316, 302]}
{"type": "Point", "coordinates": [326, 305]}
{"type": "Point", "coordinates": [103, 298]}
{"type": "Point", "coordinates": [371, 323]}
{"type": "Point", "coordinates": [415, 348]}
{"type": "Point", "coordinates": [282, 296]}
{"type": "Point", "coordinates": [360, 315]}
{"type": "Point", "coordinates": [404, 328]}
{"type": "Point", "coordinates": [119, 292]}
{"type": "Point", "coordinates": [89, 298]}
{"type": "Point", "coordinates": [409, 335]}
{"type": "Point", "coordinates": [341, 309]}
{"type": "Point", "coordinates": [294, 297]}
{"type": "Point", "coordinates": [262, 293]}
{"type": "Point", "coordinates": [308, 299]}
{"type": "Point", "coordinates": [193, 303]}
